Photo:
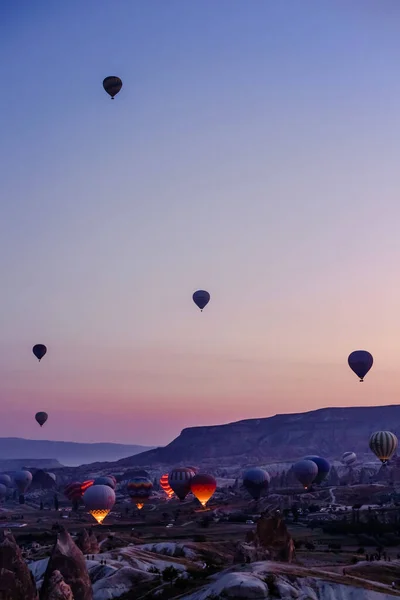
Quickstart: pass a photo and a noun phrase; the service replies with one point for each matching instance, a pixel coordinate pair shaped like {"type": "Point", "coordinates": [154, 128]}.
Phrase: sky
{"type": "Point", "coordinates": [253, 151]}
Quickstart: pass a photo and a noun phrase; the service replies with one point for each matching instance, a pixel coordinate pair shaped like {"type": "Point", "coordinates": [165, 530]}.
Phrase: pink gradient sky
{"type": "Point", "coordinates": [250, 153]}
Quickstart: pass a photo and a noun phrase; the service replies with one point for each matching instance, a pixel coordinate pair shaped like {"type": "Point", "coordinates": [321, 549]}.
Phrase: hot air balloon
{"type": "Point", "coordinates": [99, 500]}
{"type": "Point", "coordinates": [255, 481]}
{"type": "Point", "coordinates": [22, 480]}
{"type": "Point", "coordinates": [105, 480]}
{"type": "Point", "coordinates": [203, 487]}
{"type": "Point", "coordinates": [360, 361]}
{"type": "Point", "coordinates": [5, 479]}
{"type": "Point", "coordinates": [165, 485]}
{"type": "Point", "coordinates": [201, 298]}
{"type": "Point", "coordinates": [112, 85]}
{"type": "Point", "coordinates": [3, 492]}
{"type": "Point", "coordinates": [383, 444]}
{"type": "Point", "coordinates": [73, 491]}
{"type": "Point", "coordinates": [51, 475]}
{"type": "Point", "coordinates": [41, 418]}
{"type": "Point", "coordinates": [39, 350]}
{"type": "Point", "coordinates": [139, 489]}
{"type": "Point", "coordinates": [305, 471]}
{"type": "Point", "coordinates": [349, 458]}
{"type": "Point", "coordinates": [194, 469]}
{"type": "Point", "coordinates": [179, 479]}
{"type": "Point", "coordinates": [323, 468]}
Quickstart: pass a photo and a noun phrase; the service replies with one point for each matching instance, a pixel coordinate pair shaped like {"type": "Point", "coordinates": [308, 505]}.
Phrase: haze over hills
{"type": "Point", "coordinates": [328, 432]}
{"type": "Point", "coordinates": [67, 453]}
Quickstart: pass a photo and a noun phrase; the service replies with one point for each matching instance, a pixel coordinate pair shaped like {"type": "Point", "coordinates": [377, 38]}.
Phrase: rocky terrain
{"type": "Point", "coordinates": [327, 432]}
{"type": "Point", "coordinates": [264, 565]}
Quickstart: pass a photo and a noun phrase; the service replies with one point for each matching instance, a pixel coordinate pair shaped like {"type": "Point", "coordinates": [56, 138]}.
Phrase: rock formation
{"type": "Point", "coordinates": [248, 552]}
{"type": "Point", "coordinates": [270, 541]}
{"type": "Point", "coordinates": [87, 542]}
{"type": "Point", "coordinates": [16, 582]}
{"type": "Point", "coordinates": [70, 562]}
{"type": "Point", "coordinates": [282, 437]}
{"type": "Point", "coordinates": [58, 589]}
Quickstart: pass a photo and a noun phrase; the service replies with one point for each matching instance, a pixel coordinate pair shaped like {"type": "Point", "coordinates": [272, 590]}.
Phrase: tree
{"type": "Point", "coordinates": [56, 504]}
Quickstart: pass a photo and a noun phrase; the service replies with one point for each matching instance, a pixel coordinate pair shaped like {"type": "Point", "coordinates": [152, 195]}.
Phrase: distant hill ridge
{"type": "Point", "coordinates": [67, 453]}
{"type": "Point", "coordinates": [326, 431]}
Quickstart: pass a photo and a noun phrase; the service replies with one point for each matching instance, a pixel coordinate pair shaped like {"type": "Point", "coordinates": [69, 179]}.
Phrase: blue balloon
{"type": "Point", "coordinates": [201, 298]}
{"type": "Point", "coordinates": [360, 361]}
{"type": "Point", "coordinates": [255, 481]}
{"type": "Point", "coordinates": [323, 467]}
{"type": "Point", "coordinates": [305, 471]}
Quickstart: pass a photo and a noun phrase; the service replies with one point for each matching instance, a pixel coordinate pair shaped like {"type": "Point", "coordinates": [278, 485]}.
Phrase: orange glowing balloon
{"type": "Point", "coordinates": [203, 487]}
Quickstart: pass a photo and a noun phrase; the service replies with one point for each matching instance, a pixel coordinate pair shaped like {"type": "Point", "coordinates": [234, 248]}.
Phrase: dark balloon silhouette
{"type": "Point", "coordinates": [179, 479]}
{"type": "Point", "coordinates": [41, 418]}
{"type": "Point", "coordinates": [305, 471]}
{"type": "Point", "coordinates": [323, 467]}
{"type": "Point", "coordinates": [112, 85]}
{"type": "Point", "coordinates": [39, 350]}
{"type": "Point", "coordinates": [360, 362]}
{"type": "Point", "coordinates": [105, 480]}
{"type": "Point", "coordinates": [256, 480]}
{"type": "Point", "coordinates": [201, 298]}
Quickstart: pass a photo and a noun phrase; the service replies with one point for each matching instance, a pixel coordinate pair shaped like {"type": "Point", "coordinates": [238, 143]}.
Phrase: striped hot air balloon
{"type": "Point", "coordinates": [165, 485]}
{"type": "Point", "coordinates": [349, 458]}
{"type": "Point", "coordinates": [383, 444]}
{"type": "Point", "coordinates": [75, 490]}
{"type": "Point", "coordinates": [179, 479]}
{"type": "Point", "coordinates": [72, 491]}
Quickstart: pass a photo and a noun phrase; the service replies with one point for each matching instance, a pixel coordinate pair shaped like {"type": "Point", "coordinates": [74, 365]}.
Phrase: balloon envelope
{"type": "Point", "coordinates": [179, 479]}
{"type": "Point", "coordinates": [41, 418]}
{"type": "Point", "coordinates": [255, 481]}
{"type": "Point", "coordinates": [23, 480]}
{"type": "Point", "coordinates": [105, 480]}
{"type": "Point", "coordinates": [73, 491]}
{"type": "Point", "coordinates": [139, 489]}
{"type": "Point", "coordinates": [3, 491]}
{"type": "Point", "coordinates": [99, 500]}
{"type": "Point", "coordinates": [360, 361]}
{"type": "Point", "coordinates": [201, 298]}
{"type": "Point", "coordinates": [323, 467]}
{"type": "Point", "coordinates": [349, 458]}
{"type": "Point", "coordinates": [383, 444]}
{"type": "Point", "coordinates": [203, 487]}
{"type": "Point", "coordinates": [165, 485]}
{"type": "Point", "coordinates": [305, 471]}
{"type": "Point", "coordinates": [5, 479]}
{"type": "Point", "coordinates": [39, 350]}
{"type": "Point", "coordinates": [112, 85]}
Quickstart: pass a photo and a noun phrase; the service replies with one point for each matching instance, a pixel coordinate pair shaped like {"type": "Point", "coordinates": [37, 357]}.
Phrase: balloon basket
{"type": "Point", "coordinates": [99, 515]}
